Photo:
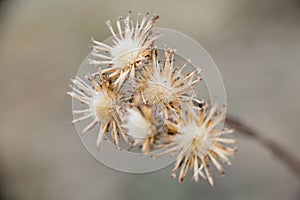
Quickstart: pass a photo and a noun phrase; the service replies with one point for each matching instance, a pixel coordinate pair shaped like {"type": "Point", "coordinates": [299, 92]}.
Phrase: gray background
{"type": "Point", "coordinates": [256, 45]}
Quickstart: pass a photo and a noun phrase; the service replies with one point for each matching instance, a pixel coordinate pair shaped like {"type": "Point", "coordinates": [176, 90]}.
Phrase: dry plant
{"type": "Point", "coordinates": [151, 105]}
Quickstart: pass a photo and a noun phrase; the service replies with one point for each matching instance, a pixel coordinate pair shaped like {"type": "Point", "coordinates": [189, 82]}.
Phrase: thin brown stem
{"type": "Point", "coordinates": [278, 151]}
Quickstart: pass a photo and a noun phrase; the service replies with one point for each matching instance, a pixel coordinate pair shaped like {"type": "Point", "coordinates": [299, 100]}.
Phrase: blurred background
{"type": "Point", "coordinates": [256, 45]}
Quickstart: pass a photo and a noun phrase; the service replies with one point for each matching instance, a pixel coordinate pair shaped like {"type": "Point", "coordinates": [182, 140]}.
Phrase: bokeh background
{"type": "Point", "coordinates": [256, 45]}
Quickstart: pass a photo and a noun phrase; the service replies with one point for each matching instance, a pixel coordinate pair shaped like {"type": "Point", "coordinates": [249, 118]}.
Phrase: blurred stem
{"type": "Point", "coordinates": [278, 151]}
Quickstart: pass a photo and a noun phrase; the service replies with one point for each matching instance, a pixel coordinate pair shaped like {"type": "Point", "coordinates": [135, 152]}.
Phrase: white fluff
{"type": "Point", "coordinates": [136, 125]}
{"type": "Point", "coordinates": [125, 52]}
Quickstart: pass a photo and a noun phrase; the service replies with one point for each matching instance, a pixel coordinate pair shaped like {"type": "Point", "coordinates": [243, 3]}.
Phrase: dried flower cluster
{"type": "Point", "coordinates": [150, 104]}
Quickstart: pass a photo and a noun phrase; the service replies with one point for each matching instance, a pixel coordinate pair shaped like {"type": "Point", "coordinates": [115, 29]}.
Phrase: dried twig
{"type": "Point", "coordinates": [278, 151]}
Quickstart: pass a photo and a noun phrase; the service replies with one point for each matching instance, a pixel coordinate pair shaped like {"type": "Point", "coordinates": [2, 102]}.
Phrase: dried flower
{"type": "Point", "coordinates": [196, 141]}
{"type": "Point", "coordinates": [103, 106]}
{"type": "Point", "coordinates": [143, 124]}
{"type": "Point", "coordinates": [151, 105]}
{"type": "Point", "coordinates": [164, 86]}
{"type": "Point", "coordinates": [131, 47]}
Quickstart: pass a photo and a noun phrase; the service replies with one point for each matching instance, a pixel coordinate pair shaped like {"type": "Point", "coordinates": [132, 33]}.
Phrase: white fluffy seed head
{"type": "Point", "coordinates": [125, 52]}
{"type": "Point", "coordinates": [156, 94]}
{"type": "Point", "coordinates": [194, 140]}
{"type": "Point", "coordinates": [137, 126]}
{"type": "Point", "coordinates": [102, 106]}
